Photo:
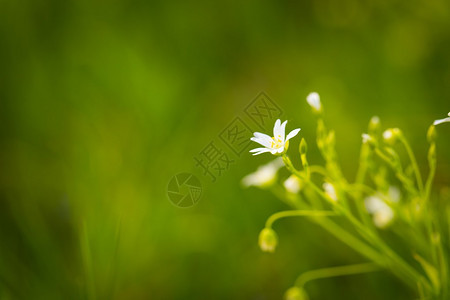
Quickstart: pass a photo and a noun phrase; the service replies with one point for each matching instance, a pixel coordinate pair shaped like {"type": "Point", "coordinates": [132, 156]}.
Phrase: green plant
{"type": "Point", "coordinates": [388, 193]}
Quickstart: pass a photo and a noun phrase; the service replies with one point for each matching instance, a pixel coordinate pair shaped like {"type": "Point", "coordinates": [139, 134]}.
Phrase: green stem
{"type": "Point", "coordinates": [336, 271]}
{"type": "Point", "coordinates": [398, 172]}
{"type": "Point", "coordinates": [297, 213]}
{"type": "Point", "coordinates": [413, 161]}
{"type": "Point", "coordinates": [399, 266]}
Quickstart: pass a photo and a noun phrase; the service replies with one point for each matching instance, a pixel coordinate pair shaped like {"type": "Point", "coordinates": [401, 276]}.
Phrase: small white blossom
{"type": "Point", "coordinates": [390, 135]}
{"type": "Point", "coordinates": [275, 144]}
{"type": "Point", "coordinates": [366, 138]}
{"type": "Point", "coordinates": [330, 191]}
{"type": "Point", "coordinates": [313, 100]}
{"type": "Point", "coordinates": [264, 175]}
{"type": "Point", "coordinates": [375, 121]}
{"type": "Point", "coordinates": [381, 212]}
{"type": "Point", "coordinates": [292, 184]}
{"type": "Point", "coordinates": [437, 122]}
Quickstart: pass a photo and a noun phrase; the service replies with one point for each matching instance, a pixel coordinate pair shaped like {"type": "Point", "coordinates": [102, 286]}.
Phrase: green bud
{"type": "Point", "coordinates": [296, 293]}
{"type": "Point", "coordinates": [374, 124]}
{"type": "Point", "coordinates": [268, 240]}
{"type": "Point", "coordinates": [431, 134]}
{"type": "Point", "coordinates": [303, 146]}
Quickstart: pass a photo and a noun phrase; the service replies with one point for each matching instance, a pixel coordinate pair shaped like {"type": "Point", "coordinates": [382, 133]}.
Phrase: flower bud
{"type": "Point", "coordinates": [367, 139]}
{"type": "Point", "coordinates": [374, 124]}
{"type": "Point", "coordinates": [293, 184]}
{"type": "Point", "coordinates": [330, 191]}
{"type": "Point", "coordinates": [391, 135]}
{"type": "Point", "coordinates": [313, 100]}
{"type": "Point", "coordinates": [303, 147]}
{"type": "Point", "coordinates": [268, 240]}
{"type": "Point", "coordinates": [295, 293]}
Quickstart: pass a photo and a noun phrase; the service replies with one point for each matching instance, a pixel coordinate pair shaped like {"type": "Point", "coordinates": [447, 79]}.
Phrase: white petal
{"type": "Point", "coordinates": [260, 141]}
{"type": "Point", "coordinates": [292, 134]}
{"type": "Point", "coordinates": [257, 150]}
{"type": "Point", "coordinates": [313, 100]}
{"type": "Point", "coordinates": [282, 131]}
{"type": "Point", "coordinates": [365, 137]}
{"type": "Point", "coordinates": [437, 122]}
{"type": "Point", "coordinates": [276, 128]}
{"type": "Point", "coordinates": [292, 184]}
{"type": "Point", "coordinates": [264, 139]}
{"type": "Point", "coordinates": [264, 150]}
{"type": "Point", "coordinates": [262, 135]}
{"type": "Point", "coordinates": [277, 163]}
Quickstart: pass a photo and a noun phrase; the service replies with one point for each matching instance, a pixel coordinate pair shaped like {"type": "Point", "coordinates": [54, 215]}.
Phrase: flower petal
{"type": "Point", "coordinates": [292, 134]}
{"type": "Point", "coordinates": [437, 122]}
{"type": "Point", "coordinates": [282, 130]}
{"type": "Point", "coordinates": [260, 141]}
{"type": "Point", "coordinates": [276, 128]}
{"type": "Point", "coordinates": [264, 150]}
{"type": "Point", "coordinates": [263, 137]}
{"type": "Point", "coordinates": [258, 149]}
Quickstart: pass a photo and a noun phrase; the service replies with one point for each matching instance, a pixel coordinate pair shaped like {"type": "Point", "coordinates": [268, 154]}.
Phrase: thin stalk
{"type": "Point", "coordinates": [335, 272]}
{"type": "Point", "coordinates": [298, 213]}
{"type": "Point", "coordinates": [413, 161]}
{"type": "Point", "coordinates": [399, 264]}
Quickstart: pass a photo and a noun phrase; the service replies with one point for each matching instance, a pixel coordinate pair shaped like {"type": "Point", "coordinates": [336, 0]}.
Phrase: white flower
{"type": "Point", "coordinates": [292, 184]}
{"type": "Point", "coordinates": [264, 175]}
{"type": "Point", "coordinates": [313, 100]}
{"type": "Point", "coordinates": [390, 135]}
{"type": "Point", "coordinates": [275, 144]}
{"type": "Point", "coordinates": [330, 191]}
{"type": "Point", "coordinates": [375, 121]}
{"type": "Point", "coordinates": [381, 212]}
{"type": "Point", "coordinates": [366, 138]}
{"type": "Point", "coordinates": [437, 122]}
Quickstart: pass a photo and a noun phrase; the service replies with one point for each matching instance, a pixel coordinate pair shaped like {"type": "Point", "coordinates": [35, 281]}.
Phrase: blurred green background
{"type": "Point", "coordinates": [102, 102]}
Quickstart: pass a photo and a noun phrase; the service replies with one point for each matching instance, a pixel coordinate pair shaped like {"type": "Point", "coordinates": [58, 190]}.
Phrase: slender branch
{"type": "Point", "coordinates": [336, 271]}
{"type": "Point", "coordinates": [297, 213]}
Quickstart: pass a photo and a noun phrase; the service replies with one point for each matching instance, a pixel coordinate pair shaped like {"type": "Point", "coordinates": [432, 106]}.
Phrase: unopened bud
{"type": "Point", "coordinates": [391, 135]}
{"type": "Point", "coordinates": [268, 240]}
{"type": "Point", "coordinates": [367, 138]}
{"type": "Point", "coordinates": [303, 146]}
{"type": "Point", "coordinates": [295, 293]}
{"type": "Point", "coordinates": [374, 124]}
{"type": "Point", "coordinates": [313, 100]}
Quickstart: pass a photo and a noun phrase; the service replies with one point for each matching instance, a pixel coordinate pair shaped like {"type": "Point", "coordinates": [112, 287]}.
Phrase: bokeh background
{"type": "Point", "coordinates": [102, 102]}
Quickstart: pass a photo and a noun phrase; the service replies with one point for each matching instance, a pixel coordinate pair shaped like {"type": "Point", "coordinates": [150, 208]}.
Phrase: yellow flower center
{"type": "Point", "coordinates": [276, 142]}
